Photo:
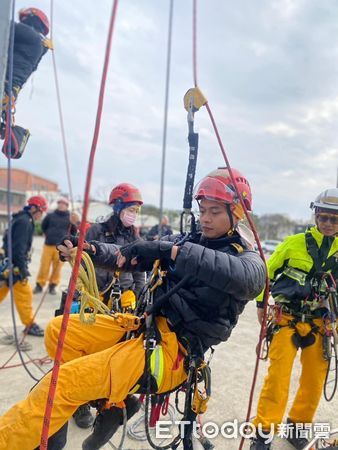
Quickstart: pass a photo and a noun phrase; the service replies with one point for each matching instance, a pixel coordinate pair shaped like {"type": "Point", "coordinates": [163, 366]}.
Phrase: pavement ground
{"type": "Point", "coordinates": [232, 371]}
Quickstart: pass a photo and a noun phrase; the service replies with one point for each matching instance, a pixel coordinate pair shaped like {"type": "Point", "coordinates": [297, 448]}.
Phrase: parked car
{"type": "Point", "coordinates": [270, 245]}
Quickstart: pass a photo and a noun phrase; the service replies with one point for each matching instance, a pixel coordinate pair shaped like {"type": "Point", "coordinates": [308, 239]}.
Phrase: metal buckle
{"type": "Point", "coordinates": [150, 344]}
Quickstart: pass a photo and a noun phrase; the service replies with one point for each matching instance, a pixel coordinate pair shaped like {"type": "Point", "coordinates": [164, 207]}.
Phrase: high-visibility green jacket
{"type": "Point", "coordinates": [291, 268]}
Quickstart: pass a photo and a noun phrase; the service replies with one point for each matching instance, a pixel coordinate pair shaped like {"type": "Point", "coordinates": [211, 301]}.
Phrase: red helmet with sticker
{"type": "Point", "coordinates": [39, 201]}
{"type": "Point", "coordinates": [218, 186]}
{"type": "Point", "coordinates": [125, 193]}
{"type": "Point", "coordinates": [35, 12]}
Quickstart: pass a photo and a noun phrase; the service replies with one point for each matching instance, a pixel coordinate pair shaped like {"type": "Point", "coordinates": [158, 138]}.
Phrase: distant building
{"type": "Point", "coordinates": [23, 185]}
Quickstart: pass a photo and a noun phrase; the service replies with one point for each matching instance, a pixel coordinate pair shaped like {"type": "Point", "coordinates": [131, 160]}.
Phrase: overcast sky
{"type": "Point", "coordinates": [269, 69]}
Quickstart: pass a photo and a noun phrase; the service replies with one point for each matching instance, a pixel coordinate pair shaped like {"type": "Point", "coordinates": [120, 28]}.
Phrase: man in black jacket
{"type": "Point", "coordinates": [221, 274]}
{"type": "Point", "coordinates": [30, 45]}
{"type": "Point", "coordinates": [160, 230]}
{"type": "Point", "coordinates": [22, 237]}
{"type": "Point", "coordinates": [54, 226]}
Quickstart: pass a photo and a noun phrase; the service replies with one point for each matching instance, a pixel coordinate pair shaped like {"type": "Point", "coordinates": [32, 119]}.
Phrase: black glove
{"type": "Point", "coordinates": [75, 241]}
{"type": "Point", "coordinates": [147, 251]}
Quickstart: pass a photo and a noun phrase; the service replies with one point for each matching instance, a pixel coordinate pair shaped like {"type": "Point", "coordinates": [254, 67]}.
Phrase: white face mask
{"type": "Point", "coordinates": [128, 218]}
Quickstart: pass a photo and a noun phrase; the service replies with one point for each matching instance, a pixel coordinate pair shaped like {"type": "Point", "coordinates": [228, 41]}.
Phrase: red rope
{"type": "Point", "coordinates": [41, 361]}
{"type": "Point", "coordinates": [247, 215]}
{"type": "Point", "coordinates": [194, 41]}
{"type": "Point", "coordinates": [57, 361]}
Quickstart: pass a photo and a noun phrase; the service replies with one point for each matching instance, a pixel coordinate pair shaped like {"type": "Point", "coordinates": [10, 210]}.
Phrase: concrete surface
{"type": "Point", "coordinates": [232, 369]}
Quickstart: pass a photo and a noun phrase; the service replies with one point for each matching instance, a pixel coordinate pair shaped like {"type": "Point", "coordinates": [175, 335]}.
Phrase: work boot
{"type": "Point", "coordinates": [297, 442]}
{"type": "Point", "coordinates": [58, 440]}
{"type": "Point", "coordinates": [52, 289]}
{"type": "Point", "coordinates": [83, 417]}
{"type": "Point", "coordinates": [38, 289]}
{"type": "Point", "coordinates": [258, 443]}
{"type": "Point", "coordinates": [34, 330]}
{"type": "Point", "coordinates": [107, 422]}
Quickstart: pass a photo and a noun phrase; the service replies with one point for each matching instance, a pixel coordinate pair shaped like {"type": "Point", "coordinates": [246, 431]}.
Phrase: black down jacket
{"type": "Point", "coordinates": [56, 225]}
{"type": "Point", "coordinates": [28, 51]}
{"type": "Point", "coordinates": [223, 277]}
{"type": "Point", "coordinates": [122, 236]}
{"type": "Point", "coordinates": [22, 237]}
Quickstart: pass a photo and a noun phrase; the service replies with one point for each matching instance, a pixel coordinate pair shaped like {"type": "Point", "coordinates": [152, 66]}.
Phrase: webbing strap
{"type": "Point", "coordinates": [321, 262]}
{"type": "Point", "coordinates": [189, 184]}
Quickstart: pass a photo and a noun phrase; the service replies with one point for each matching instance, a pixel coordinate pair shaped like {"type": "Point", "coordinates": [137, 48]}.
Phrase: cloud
{"type": "Point", "coordinates": [270, 75]}
{"type": "Point", "coordinates": [281, 129]}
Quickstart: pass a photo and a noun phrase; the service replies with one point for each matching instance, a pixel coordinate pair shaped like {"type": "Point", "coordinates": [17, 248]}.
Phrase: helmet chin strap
{"type": "Point", "coordinates": [232, 225]}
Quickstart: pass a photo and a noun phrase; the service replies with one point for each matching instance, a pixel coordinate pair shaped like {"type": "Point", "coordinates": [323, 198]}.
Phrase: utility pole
{"type": "Point", "coordinates": [4, 36]}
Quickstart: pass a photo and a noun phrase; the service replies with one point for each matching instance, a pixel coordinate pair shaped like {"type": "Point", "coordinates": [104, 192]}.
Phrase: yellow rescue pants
{"type": "Point", "coordinates": [274, 395]}
{"type": "Point", "coordinates": [103, 368]}
{"type": "Point", "coordinates": [23, 297]}
{"type": "Point", "coordinates": [50, 257]}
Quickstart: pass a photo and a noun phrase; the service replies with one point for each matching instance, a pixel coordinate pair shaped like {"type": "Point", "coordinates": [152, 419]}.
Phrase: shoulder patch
{"type": "Point", "coordinates": [238, 247]}
{"type": "Point", "coordinates": [48, 43]}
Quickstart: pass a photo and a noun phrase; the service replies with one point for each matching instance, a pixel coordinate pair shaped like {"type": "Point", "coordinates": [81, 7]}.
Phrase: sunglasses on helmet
{"type": "Point", "coordinates": [323, 218]}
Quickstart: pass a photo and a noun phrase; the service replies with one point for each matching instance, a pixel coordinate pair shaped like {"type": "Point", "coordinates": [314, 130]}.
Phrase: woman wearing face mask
{"type": "Point", "coordinates": [126, 200]}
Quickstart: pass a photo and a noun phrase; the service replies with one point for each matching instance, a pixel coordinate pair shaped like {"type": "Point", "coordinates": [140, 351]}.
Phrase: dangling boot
{"type": "Point", "coordinates": [107, 422]}
{"type": "Point", "coordinates": [83, 417]}
{"type": "Point", "coordinates": [258, 443]}
{"type": "Point", "coordinates": [58, 440]}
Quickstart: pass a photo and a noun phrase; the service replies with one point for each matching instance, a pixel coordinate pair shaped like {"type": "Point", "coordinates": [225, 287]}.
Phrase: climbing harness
{"type": "Point", "coordinates": [330, 338]}
{"type": "Point", "coordinates": [4, 270]}
{"type": "Point", "coordinates": [14, 147]}
{"type": "Point", "coordinates": [325, 292]}
{"type": "Point", "coordinates": [272, 328]}
{"type": "Point", "coordinates": [198, 371]}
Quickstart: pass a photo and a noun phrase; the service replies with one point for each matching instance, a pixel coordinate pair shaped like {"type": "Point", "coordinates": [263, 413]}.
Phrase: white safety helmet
{"type": "Point", "coordinates": [326, 200]}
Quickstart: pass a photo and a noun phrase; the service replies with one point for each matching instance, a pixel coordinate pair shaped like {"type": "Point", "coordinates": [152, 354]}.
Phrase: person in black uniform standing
{"type": "Point", "coordinates": [54, 226]}
{"type": "Point", "coordinates": [22, 237]}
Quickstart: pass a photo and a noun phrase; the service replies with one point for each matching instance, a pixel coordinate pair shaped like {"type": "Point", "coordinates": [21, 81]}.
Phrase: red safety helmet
{"type": "Point", "coordinates": [35, 12]}
{"type": "Point", "coordinates": [39, 201]}
{"type": "Point", "coordinates": [125, 193]}
{"type": "Point", "coordinates": [218, 186]}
